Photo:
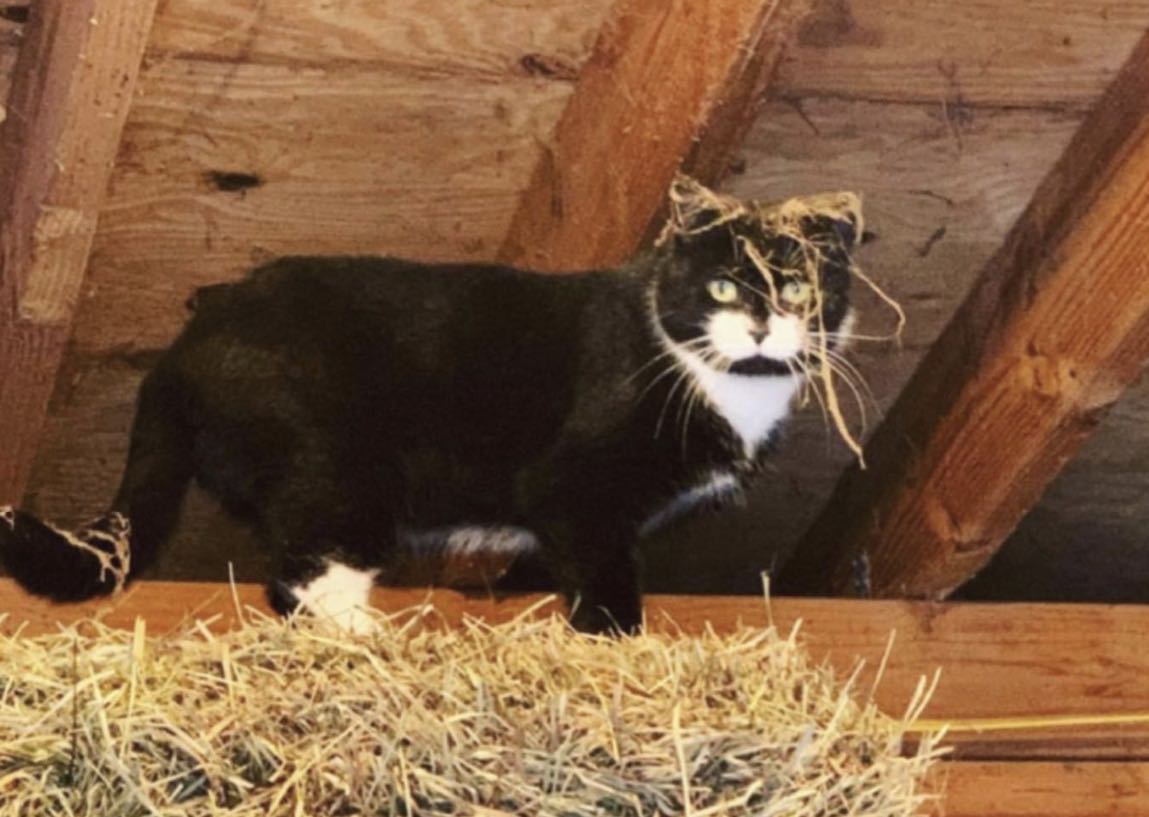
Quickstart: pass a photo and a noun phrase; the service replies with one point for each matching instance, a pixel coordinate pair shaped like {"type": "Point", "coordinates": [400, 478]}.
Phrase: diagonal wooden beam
{"type": "Point", "coordinates": [72, 87]}
{"type": "Point", "coordinates": [1053, 331]}
{"type": "Point", "coordinates": [669, 85]}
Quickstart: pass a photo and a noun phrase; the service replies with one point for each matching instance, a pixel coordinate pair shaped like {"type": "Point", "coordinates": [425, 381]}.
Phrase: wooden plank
{"type": "Point", "coordinates": [996, 661]}
{"type": "Point", "coordinates": [1085, 539]}
{"type": "Point", "coordinates": [1041, 53]}
{"type": "Point", "coordinates": [1055, 328]}
{"type": "Point", "coordinates": [669, 86]}
{"type": "Point", "coordinates": [1050, 53]}
{"type": "Point", "coordinates": [340, 160]}
{"type": "Point", "coordinates": [1037, 789]}
{"type": "Point", "coordinates": [74, 79]}
{"type": "Point", "coordinates": [424, 38]}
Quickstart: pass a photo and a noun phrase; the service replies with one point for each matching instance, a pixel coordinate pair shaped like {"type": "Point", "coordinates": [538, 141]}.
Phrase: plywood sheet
{"type": "Point", "coordinates": [341, 160]}
{"type": "Point", "coordinates": [476, 39]}
{"type": "Point", "coordinates": [1037, 53]}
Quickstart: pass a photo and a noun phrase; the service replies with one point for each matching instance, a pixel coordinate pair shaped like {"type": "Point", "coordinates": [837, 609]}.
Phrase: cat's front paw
{"type": "Point", "coordinates": [599, 619]}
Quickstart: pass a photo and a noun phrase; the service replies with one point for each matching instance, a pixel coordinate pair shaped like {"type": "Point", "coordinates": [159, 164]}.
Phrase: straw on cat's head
{"type": "Point", "coordinates": [816, 223]}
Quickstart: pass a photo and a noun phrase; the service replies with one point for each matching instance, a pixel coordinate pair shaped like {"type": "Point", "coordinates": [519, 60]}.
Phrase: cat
{"type": "Point", "coordinates": [355, 408]}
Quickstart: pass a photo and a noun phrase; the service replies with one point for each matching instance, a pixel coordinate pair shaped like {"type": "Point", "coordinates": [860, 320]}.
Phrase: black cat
{"type": "Point", "coordinates": [354, 408]}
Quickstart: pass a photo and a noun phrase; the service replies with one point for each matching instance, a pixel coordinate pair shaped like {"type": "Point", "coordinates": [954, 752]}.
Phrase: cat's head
{"type": "Point", "coordinates": [755, 289]}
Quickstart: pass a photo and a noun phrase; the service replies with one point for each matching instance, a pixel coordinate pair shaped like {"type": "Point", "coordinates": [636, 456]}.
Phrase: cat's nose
{"type": "Point", "coordinates": [759, 335]}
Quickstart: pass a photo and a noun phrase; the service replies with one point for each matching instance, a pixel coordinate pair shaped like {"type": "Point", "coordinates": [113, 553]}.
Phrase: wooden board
{"type": "Point", "coordinates": [669, 87]}
{"type": "Point", "coordinates": [72, 85]}
{"type": "Point", "coordinates": [1085, 540]}
{"type": "Point", "coordinates": [1050, 53]}
{"type": "Point", "coordinates": [996, 661]}
{"type": "Point", "coordinates": [1046, 54]}
{"type": "Point", "coordinates": [1037, 789]}
{"type": "Point", "coordinates": [436, 38]}
{"type": "Point", "coordinates": [1055, 328]}
{"type": "Point", "coordinates": [343, 160]}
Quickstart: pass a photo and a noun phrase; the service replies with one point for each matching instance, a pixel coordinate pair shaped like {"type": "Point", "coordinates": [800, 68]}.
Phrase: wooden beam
{"type": "Point", "coordinates": [996, 661]}
{"type": "Point", "coordinates": [1040, 789]}
{"type": "Point", "coordinates": [1055, 328]}
{"type": "Point", "coordinates": [668, 86]}
{"type": "Point", "coordinates": [72, 87]}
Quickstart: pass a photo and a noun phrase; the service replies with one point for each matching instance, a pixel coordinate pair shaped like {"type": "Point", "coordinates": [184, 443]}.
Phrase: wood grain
{"type": "Point", "coordinates": [668, 87]}
{"type": "Point", "coordinates": [473, 39]}
{"type": "Point", "coordinates": [1055, 328]}
{"type": "Point", "coordinates": [73, 84]}
{"type": "Point", "coordinates": [344, 160]}
{"type": "Point", "coordinates": [1046, 53]}
{"type": "Point", "coordinates": [1050, 53]}
{"type": "Point", "coordinates": [1037, 789]}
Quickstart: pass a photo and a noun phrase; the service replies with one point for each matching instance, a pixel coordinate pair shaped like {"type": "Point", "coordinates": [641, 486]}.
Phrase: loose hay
{"type": "Point", "coordinates": [520, 718]}
{"type": "Point", "coordinates": [696, 209]}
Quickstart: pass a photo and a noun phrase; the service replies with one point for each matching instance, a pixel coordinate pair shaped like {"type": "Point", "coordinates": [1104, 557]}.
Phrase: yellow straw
{"type": "Point", "coordinates": [1006, 724]}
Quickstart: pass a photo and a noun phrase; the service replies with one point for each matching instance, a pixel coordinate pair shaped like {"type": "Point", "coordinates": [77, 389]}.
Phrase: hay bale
{"type": "Point", "coordinates": [526, 717]}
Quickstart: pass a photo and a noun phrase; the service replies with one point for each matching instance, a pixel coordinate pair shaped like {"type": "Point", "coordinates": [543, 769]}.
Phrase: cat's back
{"type": "Point", "coordinates": [440, 335]}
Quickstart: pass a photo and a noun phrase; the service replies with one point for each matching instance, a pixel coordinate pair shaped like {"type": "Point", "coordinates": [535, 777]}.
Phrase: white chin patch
{"type": "Point", "coordinates": [340, 596]}
{"type": "Point", "coordinates": [729, 332]}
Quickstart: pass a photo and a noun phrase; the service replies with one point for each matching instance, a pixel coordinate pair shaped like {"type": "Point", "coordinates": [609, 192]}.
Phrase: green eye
{"type": "Point", "coordinates": [723, 290]}
{"type": "Point", "coordinates": [797, 292]}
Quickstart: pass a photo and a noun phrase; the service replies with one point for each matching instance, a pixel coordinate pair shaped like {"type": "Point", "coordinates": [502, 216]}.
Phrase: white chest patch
{"type": "Point", "coordinates": [752, 406]}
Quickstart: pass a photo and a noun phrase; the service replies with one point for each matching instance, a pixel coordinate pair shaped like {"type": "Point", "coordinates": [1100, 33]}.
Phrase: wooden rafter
{"type": "Point", "coordinates": [72, 87]}
{"type": "Point", "coordinates": [668, 86]}
{"type": "Point", "coordinates": [1055, 328]}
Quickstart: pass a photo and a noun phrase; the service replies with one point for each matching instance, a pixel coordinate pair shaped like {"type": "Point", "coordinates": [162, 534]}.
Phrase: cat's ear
{"type": "Point", "coordinates": [835, 216]}
{"type": "Point", "coordinates": [695, 208]}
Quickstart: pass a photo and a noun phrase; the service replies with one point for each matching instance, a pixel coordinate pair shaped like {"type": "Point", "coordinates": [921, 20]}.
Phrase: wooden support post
{"type": "Point", "coordinates": [1054, 329]}
{"type": "Point", "coordinates": [669, 85]}
{"type": "Point", "coordinates": [72, 87]}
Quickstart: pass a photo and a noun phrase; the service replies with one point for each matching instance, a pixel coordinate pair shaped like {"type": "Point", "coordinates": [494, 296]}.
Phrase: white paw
{"type": "Point", "coordinates": [340, 596]}
{"type": "Point", "coordinates": [8, 516]}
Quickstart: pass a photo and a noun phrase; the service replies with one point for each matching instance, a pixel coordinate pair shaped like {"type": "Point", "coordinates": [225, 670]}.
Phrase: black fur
{"type": "Point", "coordinates": [332, 402]}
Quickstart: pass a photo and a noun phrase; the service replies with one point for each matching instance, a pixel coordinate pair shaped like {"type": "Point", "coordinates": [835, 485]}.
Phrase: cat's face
{"type": "Point", "coordinates": [749, 301]}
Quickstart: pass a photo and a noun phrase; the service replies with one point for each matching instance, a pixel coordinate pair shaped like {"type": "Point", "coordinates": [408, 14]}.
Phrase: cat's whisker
{"type": "Point", "coordinates": [688, 345]}
{"type": "Point", "coordinates": [860, 380]}
{"type": "Point", "coordinates": [812, 386]}
{"type": "Point", "coordinates": [671, 368]}
{"type": "Point", "coordinates": [686, 377]}
{"type": "Point", "coordinates": [848, 380]}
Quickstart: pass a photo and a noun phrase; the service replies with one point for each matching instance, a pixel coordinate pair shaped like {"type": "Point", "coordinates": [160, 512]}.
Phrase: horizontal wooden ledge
{"type": "Point", "coordinates": [955, 637]}
{"type": "Point", "coordinates": [996, 660]}
{"type": "Point", "coordinates": [1038, 789]}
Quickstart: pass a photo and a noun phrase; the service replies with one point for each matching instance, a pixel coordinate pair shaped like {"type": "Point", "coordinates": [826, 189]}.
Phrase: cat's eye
{"type": "Point", "coordinates": [797, 292]}
{"type": "Point", "coordinates": [723, 290]}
